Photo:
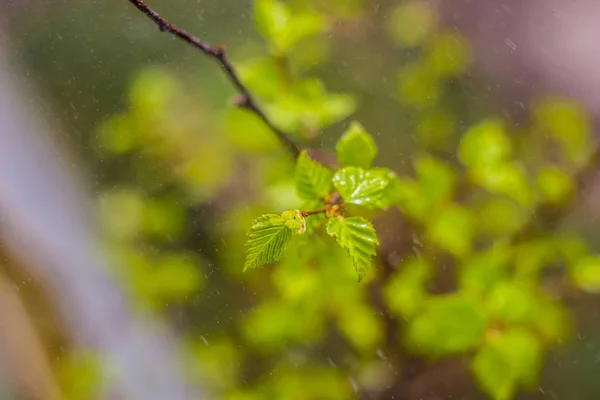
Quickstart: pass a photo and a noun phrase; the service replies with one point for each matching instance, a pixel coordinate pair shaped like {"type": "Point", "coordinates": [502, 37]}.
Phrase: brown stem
{"type": "Point", "coordinates": [246, 100]}
{"type": "Point", "coordinates": [313, 212]}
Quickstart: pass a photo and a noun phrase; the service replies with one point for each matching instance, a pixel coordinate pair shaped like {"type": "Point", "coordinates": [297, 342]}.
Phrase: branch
{"type": "Point", "coordinates": [245, 100]}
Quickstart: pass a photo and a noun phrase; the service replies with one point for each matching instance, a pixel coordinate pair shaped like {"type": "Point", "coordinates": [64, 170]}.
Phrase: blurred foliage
{"type": "Point", "coordinates": [186, 182]}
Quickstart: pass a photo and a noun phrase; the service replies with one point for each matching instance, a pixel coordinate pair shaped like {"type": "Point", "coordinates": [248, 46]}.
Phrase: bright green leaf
{"type": "Point", "coordinates": [484, 144]}
{"type": "Point", "coordinates": [271, 17]}
{"type": "Point", "coordinates": [554, 185]}
{"type": "Point", "coordinates": [509, 179]}
{"type": "Point", "coordinates": [586, 273]}
{"type": "Point", "coordinates": [513, 302]}
{"type": "Point", "coordinates": [511, 359]}
{"type": "Point", "coordinates": [482, 271]}
{"type": "Point", "coordinates": [300, 26]}
{"type": "Point", "coordinates": [394, 191]}
{"type": "Point", "coordinates": [500, 216]}
{"type": "Point", "coordinates": [264, 76]}
{"type": "Point", "coordinates": [356, 147]}
{"type": "Point", "coordinates": [436, 178]}
{"type": "Point", "coordinates": [313, 180]}
{"type": "Point", "coordinates": [568, 123]}
{"type": "Point", "coordinates": [407, 290]}
{"type": "Point", "coordinates": [358, 236]}
{"type": "Point", "coordinates": [268, 238]}
{"type": "Point", "coordinates": [362, 187]}
{"type": "Point", "coordinates": [362, 326]}
{"type": "Point", "coordinates": [452, 230]}
{"type": "Point", "coordinates": [448, 324]}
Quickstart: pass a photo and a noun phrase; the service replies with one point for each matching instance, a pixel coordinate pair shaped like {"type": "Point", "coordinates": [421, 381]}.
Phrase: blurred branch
{"type": "Point", "coordinates": [47, 227]}
{"type": "Point", "coordinates": [219, 54]}
{"type": "Point", "coordinates": [22, 350]}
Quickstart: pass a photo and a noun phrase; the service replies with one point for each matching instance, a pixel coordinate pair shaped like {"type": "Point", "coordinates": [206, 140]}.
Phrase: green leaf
{"type": "Point", "coordinates": [507, 178]}
{"type": "Point", "coordinates": [362, 327]}
{"type": "Point", "coordinates": [452, 230]}
{"type": "Point", "coordinates": [313, 180]}
{"type": "Point", "coordinates": [264, 77]}
{"type": "Point", "coordinates": [436, 178]}
{"type": "Point", "coordinates": [484, 270]}
{"type": "Point", "coordinates": [407, 290]}
{"type": "Point", "coordinates": [361, 187]}
{"type": "Point", "coordinates": [500, 216]}
{"type": "Point", "coordinates": [448, 324]}
{"type": "Point", "coordinates": [268, 238]}
{"type": "Point", "coordinates": [569, 124]}
{"type": "Point", "coordinates": [356, 147]}
{"type": "Point", "coordinates": [448, 54]}
{"type": "Point", "coordinates": [586, 273]}
{"type": "Point", "coordinates": [484, 144]}
{"type": "Point", "coordinates": [411, 23]}
{"type": "Point", "coordinates": [284, 28]}
{"type": "Point", "coordinates": [513, 302]}
{"type": "Point", "coordinates": [394, 191]}
{"type": "Point", "coordinates": [301, 26]}
{"type": "Point", "coordinates": [511, 359]}
{"type": "Point", "coordinates": [554, 185]}
{"type": "Point", "coordinates": [308, 107]}
{"type": "Point", "coordinates": [271, 17]}
{"type": "Point", "coordinates": [358, 236]}
{"type": "Point", "coordinates": [418, 86]}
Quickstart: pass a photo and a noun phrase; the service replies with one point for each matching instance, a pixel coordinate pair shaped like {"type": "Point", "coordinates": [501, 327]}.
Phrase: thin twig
{"type": "Point", "coordinates": [313, 212]}
{"type": "Point", "coordinates": [219, 54]}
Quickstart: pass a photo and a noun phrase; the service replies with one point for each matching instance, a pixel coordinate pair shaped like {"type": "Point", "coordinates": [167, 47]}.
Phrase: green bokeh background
{"type": "Point", "coordinates": [180, 174]}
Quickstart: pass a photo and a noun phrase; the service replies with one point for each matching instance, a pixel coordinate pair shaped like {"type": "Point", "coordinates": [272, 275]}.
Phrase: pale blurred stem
{"type": "Point", "coordinates": [245, 100]}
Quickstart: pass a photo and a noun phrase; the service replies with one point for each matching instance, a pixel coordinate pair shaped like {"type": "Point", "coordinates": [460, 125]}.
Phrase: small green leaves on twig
{"type": "Point", "coordinates": [324, 194]}
{"type": "Point", "coordinates": [358, 236]}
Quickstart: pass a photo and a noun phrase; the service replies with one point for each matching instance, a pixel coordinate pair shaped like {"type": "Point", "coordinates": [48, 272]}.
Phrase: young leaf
{"type": "Point", "coordinates": [301, 26]}
{"type": "Point", "coordinates": [448, 324]}
{"type": "Point", "coordinates": [512, 358]}
{"type": "Point", "coordinates": [271, 17]}
{"type": "Point", "coordinates": [484, 144]}
{"type": "Point", "coordinates": [313, 180]}
{"type": "Point", "coordinates": [356, 147]}
{"type": "Point", "coordinates": [358, 236]}
{"type": "Point", "coordinates": [366, 188]}
{"type": "Point", "coordinates": [268, 237]}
